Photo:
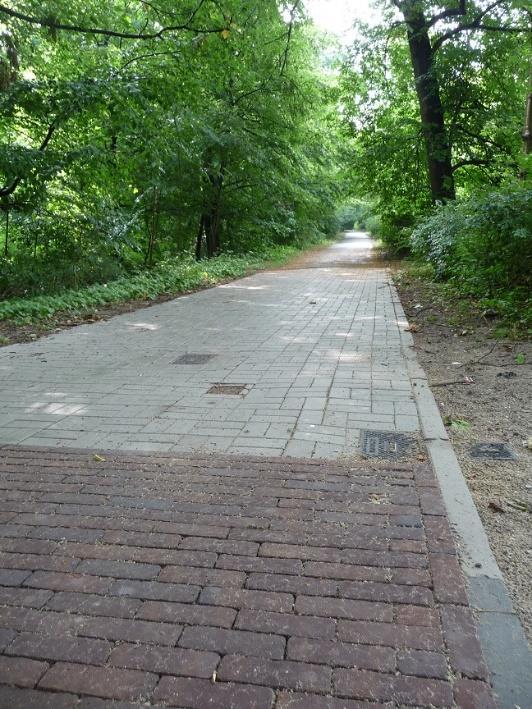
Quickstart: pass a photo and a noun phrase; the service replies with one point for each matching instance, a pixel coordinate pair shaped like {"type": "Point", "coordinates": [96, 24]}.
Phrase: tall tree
{"type": "Point", "coordinates": [421, 19]}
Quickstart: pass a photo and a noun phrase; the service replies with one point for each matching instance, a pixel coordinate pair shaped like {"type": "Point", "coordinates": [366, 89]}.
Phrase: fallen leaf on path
{"type": "Point", "coordinates": [98, 458]}
{"type": "Point", "coordinates": [412, 328]}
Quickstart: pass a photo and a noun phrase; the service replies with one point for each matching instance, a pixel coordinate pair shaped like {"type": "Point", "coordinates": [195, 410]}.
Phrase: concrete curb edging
{"type": "Point", "coordinates": [501, 635]}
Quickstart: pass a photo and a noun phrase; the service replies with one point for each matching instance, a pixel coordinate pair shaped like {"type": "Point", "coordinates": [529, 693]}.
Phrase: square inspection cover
{"type": "Point", "coordinates": [229, 389]}
{"type": "Point", "coordinates": [386, 444]}
{"type": "Point", "coordinates": [193, 358]}
{"type": "Point", "coordinates": [492, 451]}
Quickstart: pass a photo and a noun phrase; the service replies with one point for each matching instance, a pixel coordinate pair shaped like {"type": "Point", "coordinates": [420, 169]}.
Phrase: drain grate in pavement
{"type": "Point", "coordinates": [193, 358]}
{"type": "Point", "coordinates": [386, 444]}
{"type": "Point", "coordinates": [492, 451]}
{"type": "Point", "coordinates": [229, 389]}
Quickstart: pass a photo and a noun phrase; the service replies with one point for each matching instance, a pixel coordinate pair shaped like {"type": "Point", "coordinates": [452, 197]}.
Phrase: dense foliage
{"type": "Point", "coordinates": [141, 135]}
{"type": "Point", "coordinates": [134, 131]}
{"type": "Point", "coordinates": [434, 99]}
{"type": "Point", "coordinates": [482, 246]}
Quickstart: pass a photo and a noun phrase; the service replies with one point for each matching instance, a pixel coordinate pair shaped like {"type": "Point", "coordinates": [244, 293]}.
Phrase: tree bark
{"type": "Point", "coordinates": [211, 217]}
{"type": "Point", "coordinates": [437, 147]}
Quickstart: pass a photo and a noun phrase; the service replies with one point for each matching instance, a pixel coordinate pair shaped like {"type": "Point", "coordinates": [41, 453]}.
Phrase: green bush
{"type": "Point", "coordinates": [394, 230]}
{"type": "Point", "coordinates": [483, 243]}
{"type": "Point", "coordinates": [483, 248]}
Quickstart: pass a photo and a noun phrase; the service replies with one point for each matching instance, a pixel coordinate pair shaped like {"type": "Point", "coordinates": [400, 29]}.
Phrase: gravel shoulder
{"type": "Point", "coordinates": [482, 387]}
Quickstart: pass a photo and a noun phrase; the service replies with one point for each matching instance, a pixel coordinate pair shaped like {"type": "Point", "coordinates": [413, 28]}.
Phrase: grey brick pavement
{"type": "Point", "coordinates": [320, 350]}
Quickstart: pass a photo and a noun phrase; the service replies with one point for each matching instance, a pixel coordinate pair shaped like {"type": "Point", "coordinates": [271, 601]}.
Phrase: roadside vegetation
{"type": "Point", "coordinates": [148, 149]}
{"type": "Point", "coordinates": [438, 107]}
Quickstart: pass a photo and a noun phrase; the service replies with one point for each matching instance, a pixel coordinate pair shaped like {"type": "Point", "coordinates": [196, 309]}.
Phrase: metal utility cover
{"type": "Point", "coordinates": [492, 451]}
{"type": "Point", "coordinates": [228, 389]}
{"type": "Point", "coordinates": [386, 444]}
{"type": "Point", "coordinates": [193, 358]}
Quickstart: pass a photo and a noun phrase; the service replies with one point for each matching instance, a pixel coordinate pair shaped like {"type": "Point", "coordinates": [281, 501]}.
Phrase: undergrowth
{"type": "Point", "coordinates": [509, 315]}
{"type": "Point", "coordinates": [170, 277]}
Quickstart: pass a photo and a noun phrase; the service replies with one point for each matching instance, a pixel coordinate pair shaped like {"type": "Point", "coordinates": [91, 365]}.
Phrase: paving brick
{"type": "Point", "coordinates": [449, 586]}
{"type": "Point", "coordinates": [118, 569]}
{"type": "Point", "coordinates": [203, 577]}
{"type": "Point", "coordinates": [259, 564]}
{"type": "Point", "coordinates": [37, 562]}
{"type": "Point", "coordinates": [471, 694]}
{"type": "Point", "coordinates": [296, 700]}
{"type": "Point", "coordinates": [386, 592]}
{"type": "Point", "coordinates": [400, 636]}
{"type": "Point", "coordinates": [286, 624]}
{"type": "Point", "coordinates": [106, 682]}
{"type": "Point", "coordinates": [293, 551]}
{"type": "Point", "coordinates": [164, 660]}
{"type": "Point", "coordinates": [93, 604]}
{"type": "Point", "coordinates": [6, 636]}
{"type": "Point", "coordinates": [338, 654]}
{"type": "Point", "coordinates": [283, 673]}
{"type": "Point", "coordinates": [12, 577]}
{"type": "Point", "coordinates": [13, 698]}
{"type": "Point", "coordinates": [462, 642]}
{"type": "Point", "coordinates": [328, 570]}
{"type": "Point", "coordinates": [292, 584]}
{"type": "Point", "coordinates": [344, 608]}
{"type": "Point", "coordinates": [68, 582]}
{"type": "Point", "coordinates": [182, 613]}
{"type": "Point", "coordinates": [220, 546]}
{"type": "Point", "coordinates": [417, 615]}
{"type": "Point", "coordinates": [25, 597]}
{"type": "Point", "coordinates": [422, 663]}
{"type": "Point", "coordinates": [233, 641]}
{"type": "Point", "coordinates": [134, 631]}
{"type": "Point", "coordinates": [243, 598]}
{"type": "Point", "coordinates": [153, 590]}
{"type": "Point", "coordinates": [83, 650]}
{"type": "Point", "coordinates": [197, 694]}
{"type": "Point", "coordinates": [362, 684]}
{"type": "Point", "coordinates": [21, 671]}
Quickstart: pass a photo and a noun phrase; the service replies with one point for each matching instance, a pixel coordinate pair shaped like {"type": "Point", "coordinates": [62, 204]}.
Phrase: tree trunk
{"type": "Point", "coordinates": [527, 132]}
{"type": "Point", "coordinates": [199, 238]}
{"type": "Point", "coordinates": [211, 217]}
{"type": "Point", "coordinates": [435, 136]}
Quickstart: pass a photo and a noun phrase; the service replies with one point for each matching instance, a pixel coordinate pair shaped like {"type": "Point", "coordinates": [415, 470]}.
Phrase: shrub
{"type": "Point", "coordinates": [483, 244]}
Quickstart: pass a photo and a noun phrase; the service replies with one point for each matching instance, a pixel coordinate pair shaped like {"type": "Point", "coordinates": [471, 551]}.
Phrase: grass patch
{"type": "Point", "coordinates": [172, 277]}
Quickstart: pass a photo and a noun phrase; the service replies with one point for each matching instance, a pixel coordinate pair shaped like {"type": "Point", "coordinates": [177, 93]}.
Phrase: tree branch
{"type": "Point", "coordinates": [9, 189]}
{"type": "Point", "coordinates": [51, 23]}
{"type": "Point", "coordinates": [477, 25]}
{"type": "Point", "coordinates": [450, 12]}
{"type": "Point", "coordinates": [293, 11]}
{"type": "Point", "coordinates": [471, 161]}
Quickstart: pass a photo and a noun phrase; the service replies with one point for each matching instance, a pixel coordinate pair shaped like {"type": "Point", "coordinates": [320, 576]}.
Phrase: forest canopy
{"type": "Point", "coordinates": [134, 132]}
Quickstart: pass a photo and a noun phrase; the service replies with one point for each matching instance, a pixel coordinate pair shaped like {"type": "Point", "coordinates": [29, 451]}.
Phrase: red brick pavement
{"type": "Point", "coordinates": [229, 583]}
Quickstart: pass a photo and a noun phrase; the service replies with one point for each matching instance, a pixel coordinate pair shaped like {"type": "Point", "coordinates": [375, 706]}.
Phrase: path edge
{"type": "Point", "coordinates": [502, 638]}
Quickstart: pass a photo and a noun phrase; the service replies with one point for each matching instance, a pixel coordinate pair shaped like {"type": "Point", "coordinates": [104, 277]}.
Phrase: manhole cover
{"type": "Point", "coordinates": [228, 389]}
{"type": "Point", "coordinates": [193, 358]}
{"type": "Point", "coordinates": [386, 444]}
{"type": "Point", "coordinates": [493, 451]}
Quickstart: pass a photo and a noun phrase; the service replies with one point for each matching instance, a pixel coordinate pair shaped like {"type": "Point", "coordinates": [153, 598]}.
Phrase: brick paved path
{"type": "Point", "coordinates": [320, 350]}
{"type": "Point", "coordinates": [229, 583]}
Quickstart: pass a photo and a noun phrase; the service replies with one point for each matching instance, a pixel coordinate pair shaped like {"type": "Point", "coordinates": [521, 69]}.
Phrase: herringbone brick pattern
{"type": "Point", "coordinates": [130, 580]}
